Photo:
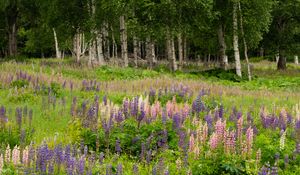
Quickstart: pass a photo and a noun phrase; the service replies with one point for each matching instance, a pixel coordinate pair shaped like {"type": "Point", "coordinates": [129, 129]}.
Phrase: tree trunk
{"type": "Point", "coordinates": [135, 50]}
{"type": "Point", "coordinates": [12, 37]}
{"type": "Point", "coordinates": [185, 54]}
{"type": "Point", "coordinates": [180, 51]}
{"type": "Point", "coordinates": [296, 59]}
{"type": "Point", "coordinates": [236, 42]}
{"type": "Point", "coordinates": [261, 52]}
{"type": "Point", "coordinates": [58, 53]}
{"type": "Point", "coordinates": [171, 52]}
{"type": "Point", "coordinates": [245, 43]}
{"type": "Point", "coordinates": [100, 55]}
{"type": "Point", "coordinates": [222, 49]}
{"type": "Point", "coordinates": [123, 40]}
{"type": "Point", "coordinates": [281, 65]}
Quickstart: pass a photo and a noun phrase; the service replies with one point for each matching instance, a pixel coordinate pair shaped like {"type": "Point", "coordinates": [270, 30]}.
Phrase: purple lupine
{"type": "Point", "coordinates": [71, 165]}
{"type": "Point", "coordinates": [19, 116]}
{"type": "Point", "coordinates": [135, 169]}
{"type": "Point", "coordinates": [85, 151]}
{"type": "Point", "coordinates": [50, 168]}
{"type": "Point", "coordinates": [143, 151]}
{"type": "Point", "coordinates": [249, 118]}
{"type": "Point", "coordinates": [164, 116]}
{"type": "Point", "coordinates": [58, 154]}
{"type": "Point", "coordinates": [166, 172]}
{"type": "Point", "coordinates": [221, 112]}
{"type": "Point", "coordinates": [80, 165]}
{"type": "Point", "coordinates": [176, 121]}
{"type": "Point", "coordinates": [67, 154]}
{"type": "Point", "coordinates": [118, 146]}
{"type": "Point", "coordinates": [73, 106]}
{"type": "Point", "coordinates": [101, 158]}
{"type": "Point", "coordinates": [264, 171]}
{"type": "Point", "coordinates": [109, 170]}
{"type": "Point", "coordinates": [286, 160]}
{"type": "Point", "coordinates": [119, 169]}
{"type": "Point", "coordinates": [119, 117]}
{"type": "Point", "coordinates": [104, 100]}
{"type": "Point", "coordinates": [209, 121]}
{"type": "Point", "coordinates": [274, 170]}
{"type": "Point", "coordinates": [154, 170]}
{"type": "Point", "coordinates": [41, 161]}
{"type": "Point", "coordinates": [182, 139]}
{"type": "Point", "coordinates": [126, 107]}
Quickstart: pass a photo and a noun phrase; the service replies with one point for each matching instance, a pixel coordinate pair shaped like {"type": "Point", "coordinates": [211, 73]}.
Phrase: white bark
{"type": "Point", "coordinates": [180, 51]}
{"type": "Point", "coordinates": [100, 55]}
{"type": "Point", "coordinates": [150, 52]}
{"type": "Point", "coordinates": [58, 53]}
{"type": "Point", "coordinates": [123, 40]}
{"type": "Point", "coordinates": [222, 49]}
{"type": "Point", "coordinates": [296, 59]}
{"type": "Point", "coordinates": [79, 46]}
{"type": "Point", "coordinates": [245, 43]}
{"type": "Point", "coordinates": [185, 54]}
{"type": "Point", "coordinates": [236, 42]}
{"type": "Point", "coordinates": [277, 58]}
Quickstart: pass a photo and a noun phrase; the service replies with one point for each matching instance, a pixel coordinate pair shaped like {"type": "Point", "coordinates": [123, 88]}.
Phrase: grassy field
{"type": "Point", "coordinates": [59, 93]}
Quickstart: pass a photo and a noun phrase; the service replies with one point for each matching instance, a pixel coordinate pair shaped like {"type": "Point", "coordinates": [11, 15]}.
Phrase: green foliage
{"type": "Point", "coordinates": [19, 83]}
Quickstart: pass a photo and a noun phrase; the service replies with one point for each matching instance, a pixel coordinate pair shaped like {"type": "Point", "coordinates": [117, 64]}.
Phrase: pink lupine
{"type": "Point", "coordinates": [25, 156]}
{"type": "Point", "coordinates": [204, 133]}
{"type": "Point", "coordinates": [258, 157]}
{"type": "Point", "coordinates": [249, 140]}
{"type": "Point", "coordinates": [230, 142]}
{"type": "Point", "coordinates": [220, 129]}
{"type": "Point", "coordinates": [185, 110]}
{"type": "Point", "coordinates": [239, 130]}
{"type": "Point", "coordinates": [192, 143]}
{"type": "Point", "coordinates": [213, 142]}
{"type": "Point", "coordinates": [16, 155]}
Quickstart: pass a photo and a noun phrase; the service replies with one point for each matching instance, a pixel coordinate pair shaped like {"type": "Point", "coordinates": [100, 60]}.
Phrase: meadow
{"type": "Point", "coordinates": [61, 118]}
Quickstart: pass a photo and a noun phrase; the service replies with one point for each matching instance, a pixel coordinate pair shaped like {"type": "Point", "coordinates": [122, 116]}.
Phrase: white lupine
{"type": "Point", "coordinates": [7, 154]}
{"type": "Point", "coordinates": [282, 140]}
{"type": "Point", "coordinates": [1, 163]}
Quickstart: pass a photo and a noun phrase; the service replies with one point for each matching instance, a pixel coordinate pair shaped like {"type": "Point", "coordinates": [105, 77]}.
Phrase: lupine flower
{"type": "Point", "coordinates": [19, 116]}
{"type": "Point", "coordinates": [1, 163]}
{"type": "Point", "coordinates": [7, 154]}
{"type": "Point", "coordinates": [286, 160]}
{"type": "Point", "coordinates": [213, 142]}
{"type": "Point", "coordinates": [176, 121]}
{"type": "Point", "coordinates": [135, 169]}
{"type": "Point", "coordinates": [239, 129]}
{"type": "Point", "coordinates": [101, 158]}
{"type": "Point", "coordinates": [249, 140]}
{"type": "Point", "coordinates": [118, 146]}
{"type": "Point", "coordinates": [282, 141]}
{"type": "Point", "coordinates": [119, 169]}
{"type": "Point", "coordinates": [149, 156]}
{"type": "Point", "coordinates": [80, 165]}
{"type": "Point", "coordinates": [143, 151]}
{"type": "Point", "coordinates": [220, 129]}
{"type": "Point", "coordinates": [274, 170]}
{"type": "Point", "coordinates": [109, 170]}
{"type": "Point", "coordinates": [258, 156]}
{"type": "Point", "coordinates": [16, 155]}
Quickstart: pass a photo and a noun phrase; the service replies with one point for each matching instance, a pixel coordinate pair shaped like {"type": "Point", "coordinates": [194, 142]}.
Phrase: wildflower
{"type": "Point", "coordinates": [249, 140]}
{"type": "Point", "coordinates": [7, 154]}
{"type": "Point", "coordinates": [213, 142]}
{"type": "Point", "coordinates": [135, 169]}
{"type": "Point", "coordinates": [118, 146]}
{"type": "Point", "coordinates": [119, 169]}
{"type": "Point", "coordinates": [282, 141]}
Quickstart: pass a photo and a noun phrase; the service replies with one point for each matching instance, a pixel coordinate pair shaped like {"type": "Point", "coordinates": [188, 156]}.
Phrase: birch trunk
{"type": "Point", "coordinates": [296, 59]}
{"type": "Point", "coordinates": [245, 43]}
{"type": "Point", "coordinates": [135, 50]}
{"type": "Point", "coordinates": [100, 55]}
{"type": "Point", "coordinates": [171, 51]}
{"type": "Point", "coordinates": [222, 49]}
{"type": "Point", "coordinates": [58, 53]}
{"type": "Point", "coordinates": [173, 55]}
{"type": "Point", "coordinates": [236, 42]}
{"type": "Point", "coordinates": [123, 40]}
{"type": "Point", "coordinates": [180, 51]}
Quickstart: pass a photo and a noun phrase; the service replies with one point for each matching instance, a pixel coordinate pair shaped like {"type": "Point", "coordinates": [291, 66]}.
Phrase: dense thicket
{"type": "Point", "coordinates": [97, 31]}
